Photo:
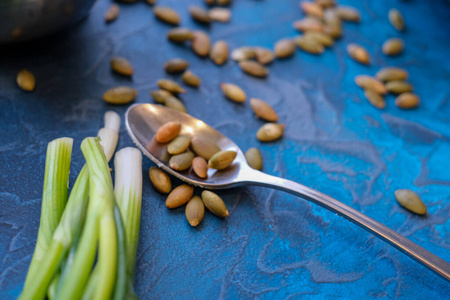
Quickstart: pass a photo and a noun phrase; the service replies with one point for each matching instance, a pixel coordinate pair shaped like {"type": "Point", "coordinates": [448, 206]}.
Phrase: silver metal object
{"type": "Point", "coordinates": [24, 20]}
{"type": "Point", "coordinates": [143, 120]}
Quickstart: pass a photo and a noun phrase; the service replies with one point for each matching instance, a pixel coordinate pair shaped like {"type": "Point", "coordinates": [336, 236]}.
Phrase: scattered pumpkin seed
{"type": "Point", "coordinates": [200, 167]}
{"type": "Point", "coordinates": [160, 180]}
{"type": "Point", "coordinates": [270, 132]}
{"type": "Point", "coordinates": [215, 204]}
{"type": "Point", "coordinates": [121, 65]}
{"type": "Point", "coordinates": [253, 68]}
{"type": "Point", "coordinates": [175, 103]}
{"type": "Point", "coordinates": [179, 196]}
{"type": "Point", "coordinates": [210, 2]}
{"type": "Point", "coordinates": [222, 159]}
{"type": "Point", "coordinates": [199, 14]}
{"type": "Point", "coordinates": [120, 95]}
{"type": "Point", "coordinates": [320, 37]}
{"type": "Point", "coordinates": [334, 30]}
{"type": "Point", "coordinates": [26, 81]}
{"type": "Point", "coordinates": [233, 92]}
{"type": "Point", "coordinates": [176, 65]}
{"type": "Point", "coordinates": [151, 2]}
{"type": "Point", "coordinates": [263, 110]}
{"type": "Point", "coordinates": [358, 53]}
{"type": "Point", "coordinates": [326, 3]}
{"type": "Point", "coordinates": [284, 48]}
{"type": "Point", "coordinates": [190, 79]}
{"type": "Point", "coordinates": [179, 144]}
{"type": "Point", "coordinates": [263, 55]}
{"type": "Point", "coordinates": [112, 13]}
{"type": "Point", "coordinates": [399, 87]}
{"type": "Point", "coordinates": [411, 201]}
{"type": "Point", "coordinates": [167, 15]}
{"type": "Point", "coordinates": [375, 99]}
{"type": "Point", "coordinates": [309, 45]}
{"type": "Point", "coordinates": [333, 24]}
{"type": "Point", "coordinates": [220, 14]}
{"type": "Point", "coordinates": [243, 53]}
{"type": "Point", "coordinates": [204, 147]}
{"type": "Point", "coordinates": [370, 83]}
{"type": "Point", "coordinates": [309, 24]}
{"type": "Point", "coordinates": [201, 43]}
{"type": "Point", "coordinates": [160, 96]}
{"type": "Point", "coordinates": [180, 35]}
{"type": "Point", "coordinates": [168, 132]}
{"type": "Point", "coordinates": [254, 158]}
{"type": "Point", "coordinates": [312, 9]}
{"type": "Point", "coordinates": [391, 73]}
{"type": "Point", "coordinates": [396, 19]}
{"type": "Point", "coordinates": [407, 101]}
{"type": "Point", "coordinates": [171, 86]}
{"type": "Point", "coordinates": [182, 161]}
{"type": "Point", "coordinates": [219, 52]}
{"type": "Point", "coordinates": [223, 2]}
{"type": "Point", "coordinates": [393, 46]}
{"type": "Point", "coordinates": [348, 13]}
{"type": "Point", "coordinates": [195, 211]}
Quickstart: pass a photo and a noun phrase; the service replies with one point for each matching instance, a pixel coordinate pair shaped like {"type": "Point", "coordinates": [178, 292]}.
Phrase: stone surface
{"type": "Point", "coordinates": [273, 245]}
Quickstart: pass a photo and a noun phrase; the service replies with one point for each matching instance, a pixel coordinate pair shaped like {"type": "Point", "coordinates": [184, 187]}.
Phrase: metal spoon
{"type": "Point", "coordinates": [143, 120]}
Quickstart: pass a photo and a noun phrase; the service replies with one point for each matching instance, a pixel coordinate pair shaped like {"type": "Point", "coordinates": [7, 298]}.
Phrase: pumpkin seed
{"type": "Point", "coordinates": [195, 210]}
{"type": "Point", "coordinates": [180, 35]}
{"type": "Point", "coordinates": [120, 95]}
{"type": "Point", "coordinates": [396, 19]}
{"type": "Point", "coordinates": [399, 87]}
{"type": "Point", "coordinates": [210, 2]}
{"type": "Point", "coordinates": [160, 96]}
{"type": "Point", "coordinates": [112, 13]}
{"type": "Point", "coordinates": [370, 83]}
{"type": "Point", "coordinates": [358, 53]}
{"type": "Point", "coordinates": [170, 85]}
{"type": "Point", "coordinates": [151, 2]}
{"type": "Point", "coordinates": [220, 14]}
{"type": "Point", "coordinates": [393, 46]}
{"type": "Point", "coordinates": [223, 2]}
{"type": "Point", "coordinates": [284, 48]}
{"type": "Point", "coordinates": [181, 162]}
{"type": "Point", "coordinates": [264, 55]}
{"type": "Point", "coordinates": [200, 167]}
{"type": "Point", "coordinates": [122, 66]}
{"type": "Point", "coordinates": [243, 53]}
{"type": "Point", "coordinates": [175, 103]}
{"type": "Point", "coordinates": [254, 158]}
{"type": "Point", "coordinates": [348, 13]}
{"type": "Point", "coordinates": [222, 159]}
{"type": "Point", "coordinates": [201, 43]}
{"type": "Point", "coordinates": [166, 14]}
{"type": "Point", "coordinates": [219, 52]}
{"type": "Point", "coordinates": [309, 45]}
{"type": "Point", "coordinates": [270, 132]}
{"type": "Point", "coordinates": [309, 24]}
{"type": "Point", "coordinates": [312, 9]}
{"type": "Point", "coordinates": [176, 65]}
{"type": "Point", "coordinates": [263, 110]}
{"type": "Point", "coordinates": [179, 196]}
{"type": "Point", "coordinates": [179, 144]}
{"type": "Point", "coordinates": [407, 101]}
{"type": "Point", "coordinates": [326, 3]}
{"type": "Point", "coordinates": [160, 180]}
{"type": "Point", "coordinates": [253, 68]}
{"type": "Point", "coordinates": [375, 99]}
{"type": "Point", "coordinates": [215, 204]}
{"type": "Point", "coordinates": [26, 81]}
{"type": "Point", "coordinates": [320, 37]}
{"type": "Point", "coordinates": [168, 132]}
{"type": "Point", "coordinates": [199, 14]}
{"type": "Point", "coordinates": [411, 201]}
{"type": "Point", "coordinates": [233, 92]}
{"type": "Point", "coordinates": [334, 30]}
{"type": "Point", "coordinates": [391, 73]}
{"type": "Point", "coordinates": [330, 16]}
{"type": "Point", "coordinates": [190, 78]}
{"type": "Point", "coordinates": [204, 147]}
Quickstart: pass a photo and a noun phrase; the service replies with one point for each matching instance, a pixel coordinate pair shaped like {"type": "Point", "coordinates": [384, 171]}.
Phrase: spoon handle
{"type": "Point", "coordinates": [416, 252]}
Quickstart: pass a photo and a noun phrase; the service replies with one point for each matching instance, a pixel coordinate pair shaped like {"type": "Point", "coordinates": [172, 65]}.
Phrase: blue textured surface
{"type": "Point", "coordinates": [273, 245]}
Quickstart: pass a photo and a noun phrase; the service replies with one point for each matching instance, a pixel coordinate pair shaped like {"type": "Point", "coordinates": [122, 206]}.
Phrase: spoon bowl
{"type": "Point", "coordinates": [143, 121]}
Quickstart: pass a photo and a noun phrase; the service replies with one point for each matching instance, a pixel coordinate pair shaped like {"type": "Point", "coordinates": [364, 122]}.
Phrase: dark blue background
{"type": "Point", "coordinates": [273, 245]}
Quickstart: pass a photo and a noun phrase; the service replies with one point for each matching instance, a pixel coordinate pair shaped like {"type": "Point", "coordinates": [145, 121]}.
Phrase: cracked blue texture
{"type": "Point", "coordinates": [273, 245]}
